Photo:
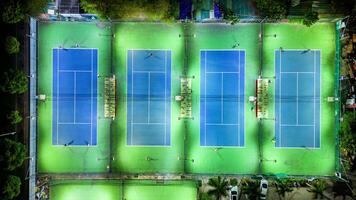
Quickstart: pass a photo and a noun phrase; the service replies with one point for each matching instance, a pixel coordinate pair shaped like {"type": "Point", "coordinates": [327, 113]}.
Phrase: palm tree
{"type": "Point", "coordinates": [283, 187]}
{"type": "Point", "coordinates": [318, 188]}
{"type": "Point", "coordinates": [219, 185]}
{"type": "Point", "coordinates": [250, 188]}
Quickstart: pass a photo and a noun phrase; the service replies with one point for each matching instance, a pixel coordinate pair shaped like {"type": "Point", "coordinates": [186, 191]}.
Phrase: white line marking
{"type": "Point", "coordinates": [297, 72]}
{"type": "Point", "coordinates": [158, 72]}
{"type": "Point", "coordinates": [66, 70]}
{"type": "Point", "coordinates": [297, 98]}
{"type": "Point", "coordinates": [314, 94]}
{"type": "Point", "coordinates": [132, 91]}
{"type": "Point", "coordinates": [87, 123]}
{"type": "Point", "coordinates": [238, 102]}
{"type": "Point", "coordinates": [297, 125]}
{"type": "Point", "coordinates": [215, 124]}
{"type": "Point", "coordinates": [148, 97]}
{"type": "Point", "coordinates": [75, 93]}
{"type": "Point", "coordinates": [92, 98]}
{"type": "Point", "coordinates": [280, 97]}
{"type": "Point", "coordinates": [205, 95]}
{"type": "Point", "coordinates": [57, 94]}
{"type": "Point", "coordinates": [165, 95]}
{"type": "Point", "coordinates": [137, 123]}
{"type": "Point", "coordinates": [222, 97]}
{"type": "Point", "coordinates": [222, 72]}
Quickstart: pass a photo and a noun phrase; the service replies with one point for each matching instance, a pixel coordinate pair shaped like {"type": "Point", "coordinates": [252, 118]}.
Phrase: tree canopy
{"type": "Point", "coordinates": [10, 187]}
{"type": "Point", "coordinates": [132, 9]}
{"type": "Point", "coordinates": [12, 154]}
{"type": "Point", "coordinates": [273, 9]}
{"type": "Point", "coordinates": [12, 45]}
{"type": "Point", "coordinates": [310, 18]}
{"type": "Point", "coordinates": [14, 81]}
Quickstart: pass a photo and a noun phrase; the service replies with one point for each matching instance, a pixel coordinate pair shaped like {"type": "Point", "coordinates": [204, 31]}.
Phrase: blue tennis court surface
{"type": "Point", "coordinates": [222, 97]}
{"type": "Point", "coordinates": [297, 102]}
{"type": "Point", "coordinates": [74, 97]}
{"type": "Point", "coordinates": [149, 93]}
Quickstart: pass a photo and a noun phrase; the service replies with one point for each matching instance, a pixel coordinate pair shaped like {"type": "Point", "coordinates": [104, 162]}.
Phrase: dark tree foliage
{"type": "Point", "coordinates": [14, 81]}
{"type": "Point", "coordinates": [10, 187]}
{"type": "Point", "coordinates": [12, 154]}
{"type": "Point", "coordinates": [35, 7]}
{"type": "Point", "coordinates": [13, 12]}
{"type": "Point", "coordinates": [133, 9]}
{"type": "Point", "coordinates": [12, 45]}
{"type": "Point", "coordinates": [219, 187]}
{"type": "Point", "coordinates": [310, 18]}
{"type": "Point", "coordinates": [273, 9]}
{"type": "Point", "coordinates": [14, 117]}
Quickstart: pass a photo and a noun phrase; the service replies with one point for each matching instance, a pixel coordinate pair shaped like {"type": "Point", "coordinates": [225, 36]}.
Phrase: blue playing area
{"type": "Point", "coordinates": [222, 97]}
{"type": "Point", "coordinates": [149, 94]}
{"type": "Point", "coordinates": [297, 102]}
{"type": "Point", "coordinates": [74, 97]}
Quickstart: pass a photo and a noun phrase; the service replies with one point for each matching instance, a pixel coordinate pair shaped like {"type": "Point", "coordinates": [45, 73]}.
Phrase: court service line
{"type": "Point", "coordinates": [57, 102]}
{"type": "Point", "coordinates": [280, 97]}
{"type": "Point", "coordinates": [132, 91]}
{"type": "Point", "coordinates": [213, 124]}
{"type": "Point", "coordinates": [222, 97]}
{"type": "Point", "coordinates": [297, 100]}
{"type": "Point", "coordinates": [165, 95]}
{"type": "Point", "coordinates": [314, 96]}
{"type": "Point", "coordinates": [92, 95]}
{"type": "Point", "coordinates": [238, 102]}
{"type": "Point", "coordinates": [74, 93]}
{"type": "Point", "coordinates": [205, 58]}
{"type": "Point", "coordinates": [148, 97]}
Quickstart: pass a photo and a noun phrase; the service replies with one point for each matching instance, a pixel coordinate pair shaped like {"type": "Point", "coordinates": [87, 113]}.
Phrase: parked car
{"type": "Point", "coordinates": [263, 188]}
{"type": "Point", "coordinates": [234, 193]}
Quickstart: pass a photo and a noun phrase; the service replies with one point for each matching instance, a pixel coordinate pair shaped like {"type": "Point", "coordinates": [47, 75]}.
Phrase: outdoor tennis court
{"type": "Point", "coordinates": [147, 133]}
{"type": "Point", "coordinates": [297, 98]}
{"type": "Point", "coordinates": [74, 97]}
{"type": "Point", "coordinates": [149, 94]}
{"type": "Point", "coordinates": [222, 97]}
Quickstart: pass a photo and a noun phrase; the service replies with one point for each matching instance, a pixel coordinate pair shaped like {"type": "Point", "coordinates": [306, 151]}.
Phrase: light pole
{"type": "Point", "coordinates": [5, 134]}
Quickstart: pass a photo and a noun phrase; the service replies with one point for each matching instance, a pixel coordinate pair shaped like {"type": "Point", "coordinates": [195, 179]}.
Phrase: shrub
{"type": "Point", "coordinates": [310, 18]}
{"type": "Point", "coordinates": [12, 154]}
{"type": "Point", "coordinates": [14, 117]}
{"type": "Point", "coordinates": [13, 13]}
{"type": "Point", "coordinates": [273, 9]}
{"type": "Point", "coordinates": [14, 82]}
{"type": "Point", "coordinates": [12, 45]}
{"type": "Point", "coordinates": [11, 187]}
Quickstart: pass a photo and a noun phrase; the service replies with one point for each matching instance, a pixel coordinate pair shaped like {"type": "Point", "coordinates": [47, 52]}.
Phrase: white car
{"type": "Point", "coordinates": [263, 188]}
{"type": "Point", "coordinates": [234, 193]}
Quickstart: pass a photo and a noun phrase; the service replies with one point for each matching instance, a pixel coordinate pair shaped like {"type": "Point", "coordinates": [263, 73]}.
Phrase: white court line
{"type": "Point", "coordinates": [297, 72]}
{"type": "Point", "coordinates": [84, 123]}
{"type": "Point", "coordinates": [222, 72]}
{"type": "Point", "coordinates": [297, 98]}
{"type": "Point", "coordinates": [132, 91]}
{"type": "Point", "coordinates": [222, 124]}
{"type": "Point", "coordinates": [136, 71]}
{"type": "Point", "coordinates": [238, 102]}
{"type": "Point", "coordinates": [297, 125]}
{"type": "Point", "coordinates": [280, 97]}
{"type": "Point", "coordinates": [57, 94]}
{"type": "Point", "coordinates": [314, 95]}
{"type": "Point", "coordinates": [92, 98]}
{"type": "Point", "coordinates": [222, 97]}
{"type": "Point", "coordinates": [205, 95]}
{"type": "Point", "coordinates": [66, 70]}
{"type": "Point", "coordinates": [148, 97]}
{"type": "Point", "coordinates": [138, 123]}
{"type": "Point", "coordinates": [74, 93]}
{"type": "Point", "coordinates": [165, 95]}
